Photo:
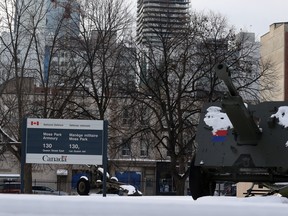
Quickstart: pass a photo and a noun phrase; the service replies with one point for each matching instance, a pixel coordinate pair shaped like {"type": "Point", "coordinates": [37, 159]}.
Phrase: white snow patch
{"type": "Point", "coordinates": [114, 178]}
{"type": "Point", "coordinates": [282, 115]}
{"type": "Point", "coordinates": [217, 119]}
{"type": "Point", "coordinates": [131, 189]}
{"type": "Point", "coordinates": [35, 205]}
{"type": "Point", "coordinates": [100, 169]}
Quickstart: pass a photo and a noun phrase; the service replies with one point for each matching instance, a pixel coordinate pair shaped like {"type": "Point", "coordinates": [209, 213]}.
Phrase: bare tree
{"type": "Point", "coordinates": [36, 83]}
{"type": "Point", "coordinates": [103, 25]}
{"type": "Point", "coordinates": [80, 83]}
{"type": "Point", "coordinates": [20, 23]}
{"type": "Point", "coordinates": [61, 71]}
{"type": "Point", "coordinates": [176, 77]}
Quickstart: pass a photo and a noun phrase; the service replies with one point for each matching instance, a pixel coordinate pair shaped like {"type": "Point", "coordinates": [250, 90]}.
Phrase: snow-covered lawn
{"type": "Point", "coordinates": [44, 205]}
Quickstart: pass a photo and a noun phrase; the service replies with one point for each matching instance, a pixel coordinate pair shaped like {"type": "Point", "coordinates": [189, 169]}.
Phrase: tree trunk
{"type": "Point", "coordinates": [180, 187]}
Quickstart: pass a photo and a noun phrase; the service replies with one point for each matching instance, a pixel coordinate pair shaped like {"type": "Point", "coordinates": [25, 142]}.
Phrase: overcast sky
{"type": "Point", "coordinates": [249, 15]}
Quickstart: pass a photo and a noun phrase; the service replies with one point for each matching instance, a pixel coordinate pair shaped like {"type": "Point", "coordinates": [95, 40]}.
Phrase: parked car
{"type": "Point", "coordinates": [10, 187]}
{"type": "Point", "coordinates": [46, 190]}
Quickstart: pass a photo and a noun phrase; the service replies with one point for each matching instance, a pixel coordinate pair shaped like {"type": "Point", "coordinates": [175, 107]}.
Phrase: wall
{"type": "Point", "coordinates": [273, 48]}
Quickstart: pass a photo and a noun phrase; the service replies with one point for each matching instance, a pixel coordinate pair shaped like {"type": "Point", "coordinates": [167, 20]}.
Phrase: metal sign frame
{"type": "Point", "coordinates": [64, 141]}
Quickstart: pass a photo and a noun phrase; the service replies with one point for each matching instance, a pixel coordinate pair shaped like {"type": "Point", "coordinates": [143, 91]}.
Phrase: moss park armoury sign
{"type": "Point", "coordinates": [64, 141]}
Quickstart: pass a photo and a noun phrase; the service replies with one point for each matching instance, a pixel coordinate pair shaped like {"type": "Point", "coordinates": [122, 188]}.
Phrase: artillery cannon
{"type": "Point", "coordinates": [113, 186]}
{"type": "Point", "coordinates": [238, 142]}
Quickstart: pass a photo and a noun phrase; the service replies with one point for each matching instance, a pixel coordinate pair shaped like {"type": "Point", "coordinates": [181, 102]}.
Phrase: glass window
{"type": "Point", "coordinates": [143, 149]}
{"type": "Point", "coordinates": [126, 149]}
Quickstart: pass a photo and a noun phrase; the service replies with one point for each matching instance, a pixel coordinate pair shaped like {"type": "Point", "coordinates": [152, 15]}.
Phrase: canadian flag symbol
{"type": "Point", "coordinates": [34, 122]}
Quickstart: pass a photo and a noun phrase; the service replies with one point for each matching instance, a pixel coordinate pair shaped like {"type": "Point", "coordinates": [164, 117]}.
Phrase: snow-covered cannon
{"type": "Point", "coordinates": [238, 142]}
{"type": "Point", "coordinates": [113, 186]}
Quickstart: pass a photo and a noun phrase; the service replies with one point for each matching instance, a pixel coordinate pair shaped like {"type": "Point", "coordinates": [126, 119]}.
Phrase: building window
{"type": "Point", "coordinates": [126, 117]}
{"type": "Point", "coordinates": [54, 63]}
{"type": "Point", "coordinates": [126, 148]}
{"type": "Point", "coordinates": [143, 149]}
{"type": "Point", "coordinates": [130, 177]}
{"type": "Point", "coordinates": [144, 118]}
{"type": "Point", "coordinates": [165, 182]}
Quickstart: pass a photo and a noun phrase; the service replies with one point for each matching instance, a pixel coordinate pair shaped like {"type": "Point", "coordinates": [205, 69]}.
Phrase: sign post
{"type": "Point", "coordinates": [105, 159]}
{"type": "Point", "coordinates": [64, 141]}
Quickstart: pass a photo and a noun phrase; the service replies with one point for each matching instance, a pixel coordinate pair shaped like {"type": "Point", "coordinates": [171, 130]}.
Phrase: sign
{"type": "Point", "coordinates": [63, 141]}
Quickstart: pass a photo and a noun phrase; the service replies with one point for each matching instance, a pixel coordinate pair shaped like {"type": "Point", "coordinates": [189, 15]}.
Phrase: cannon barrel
{"type": "Point", "coordinates": [224, 74]}
{"type": "Point", "coordinates": [247, 131]}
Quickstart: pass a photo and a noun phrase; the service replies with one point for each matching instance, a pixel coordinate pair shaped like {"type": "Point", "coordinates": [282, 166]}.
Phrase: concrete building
{"type": "Point", "coordinates": [274, 47]}
{"type": "Point", "coordinates": [64, 13]}
{"type": "Point", "coordinates": [62, 22]}
{"type": "Point", "coordinates": [249, 63]}
{"type": "Point", "coordinates": [158, 22]}
{"type": "Point", "coordinates": [166, 17]}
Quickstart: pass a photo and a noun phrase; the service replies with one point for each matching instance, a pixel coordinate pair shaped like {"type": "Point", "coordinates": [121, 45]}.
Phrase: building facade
{"type": "Point", "coordinates": [249, 64]}
{"type": "Point", "coordinates": [274, 47]}
{"type": "Point", "coordinates": [166, 17]}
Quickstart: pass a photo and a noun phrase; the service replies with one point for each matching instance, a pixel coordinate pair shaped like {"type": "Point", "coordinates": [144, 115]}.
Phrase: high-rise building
{"type": "Point", "coordinates": [160, 18]}
{"type": "Point", "coordinates": [62, 21]}
{"type": "Point", "coordinates": [63, 16]}
{"type": "Point", "coordinates": [274, 47]}
{"type": "Point", "coordinates": [157, 22]}
{"type": "Point", "coordinates": [50, 19]}
{"type": "Point", "coordinates": [249, 64]}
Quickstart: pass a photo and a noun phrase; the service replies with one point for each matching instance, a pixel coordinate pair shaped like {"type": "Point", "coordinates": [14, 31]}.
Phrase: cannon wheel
{"type": "Point", "coordinates": [200, 183]}
{"type": "Point", "coordinates": [83, 187]}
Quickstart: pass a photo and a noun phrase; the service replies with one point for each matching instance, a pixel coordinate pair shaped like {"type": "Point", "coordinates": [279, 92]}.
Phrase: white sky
{"type": "Point", "coordinates": [249, 15]}
{"type": "Point", "coordinates": [48, 205]}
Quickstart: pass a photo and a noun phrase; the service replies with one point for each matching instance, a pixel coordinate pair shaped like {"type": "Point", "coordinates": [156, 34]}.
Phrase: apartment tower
{"type": "Point", "coordinates": [160, 18]}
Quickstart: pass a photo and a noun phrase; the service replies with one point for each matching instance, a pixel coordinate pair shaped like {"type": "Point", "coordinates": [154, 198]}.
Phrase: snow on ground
{"type": "Point", "coordinates": [45, 205]}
